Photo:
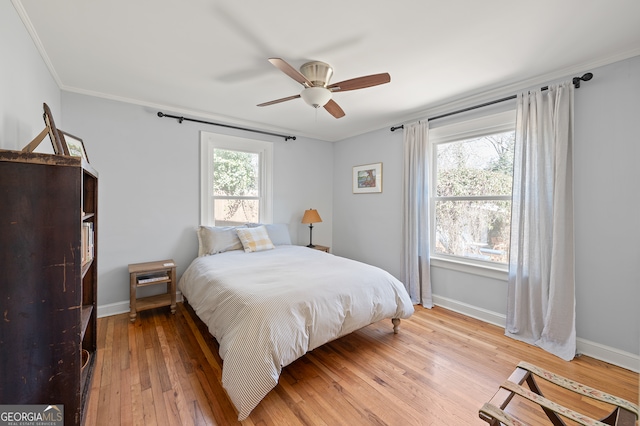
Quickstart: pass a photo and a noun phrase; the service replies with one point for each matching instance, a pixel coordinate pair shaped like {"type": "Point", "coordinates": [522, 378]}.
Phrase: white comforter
{"type": "Point", "coordinates": [267, 309]}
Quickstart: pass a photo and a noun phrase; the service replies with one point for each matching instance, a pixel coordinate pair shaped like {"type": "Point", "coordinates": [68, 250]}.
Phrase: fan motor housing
{"type": "Point", "coordinates": [318, 73]}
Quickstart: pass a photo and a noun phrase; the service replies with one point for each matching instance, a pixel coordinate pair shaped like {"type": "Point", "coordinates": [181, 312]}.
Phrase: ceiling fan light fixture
{"type": "Point", "coordinates": [316, 96]}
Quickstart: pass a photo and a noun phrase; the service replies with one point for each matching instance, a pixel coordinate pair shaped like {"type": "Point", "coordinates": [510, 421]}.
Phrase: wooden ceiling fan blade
{"type": "Point", "coordinates": [284, 66]}
{"type": "Point", "coordinates": [360, 82]}
{"type": "Point", "coordinates": [334, 109]}
{"type": "Point", "coordinates": [277, 101]}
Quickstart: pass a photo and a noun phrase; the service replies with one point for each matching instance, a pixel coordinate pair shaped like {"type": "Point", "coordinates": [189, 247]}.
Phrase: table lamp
{"type": "Point", "coordinates": [311, 216]}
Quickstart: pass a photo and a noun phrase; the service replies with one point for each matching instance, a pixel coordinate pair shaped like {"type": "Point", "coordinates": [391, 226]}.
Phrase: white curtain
{"type": "Point", "coordinates": [541, 293]}
{"type": "Point", "coordinates": [415, 224]}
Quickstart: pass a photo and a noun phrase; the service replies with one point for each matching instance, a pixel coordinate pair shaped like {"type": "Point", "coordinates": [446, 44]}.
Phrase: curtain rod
{"type": "Point", "coordinates": [181, 119]}
{"type": "Point", "coordinates": [576, 83]}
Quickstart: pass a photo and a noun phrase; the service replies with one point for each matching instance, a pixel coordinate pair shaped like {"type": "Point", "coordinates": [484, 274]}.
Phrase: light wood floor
{"type": "Point", "coordinates": [165, 369]}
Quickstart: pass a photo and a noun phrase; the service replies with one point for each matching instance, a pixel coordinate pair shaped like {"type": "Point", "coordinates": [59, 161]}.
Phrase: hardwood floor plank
{"type": "Point", "coordinates": [161, 365]}
{"type": "Point", "coordinates": [104, 401]}
{"type": "Point", "coordinates": [94, 394]}
{"type": "Point", "coordinates": [148, 408]}
{"type": "Point", "coordinates": [126, 409]}
{"type": "Point", "coordinates": [307, 414]}
{"type": "Point", "coordinates": [137, 404]}
{"type": "Point", "coordinates": [181, 371]}
{"type": "Point", "coordinates": [140, 353]}
{"type": "Point", "coordinates": [157, 394]}
{"type": "Point", "coordinates": [171, 409]}
{"type": "Point", "coordinates": [165, 370]}
{"type": "Point", "coordinates": [176, 394]}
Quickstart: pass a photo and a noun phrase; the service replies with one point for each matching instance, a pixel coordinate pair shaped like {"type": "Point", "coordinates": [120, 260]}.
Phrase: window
{"type": "Point", "coordinates": [236, 180]}
{"type": "Point", "coordinates": [472, 175]}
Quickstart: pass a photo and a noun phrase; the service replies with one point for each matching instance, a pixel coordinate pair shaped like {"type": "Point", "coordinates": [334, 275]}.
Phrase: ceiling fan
{"type": "Point", "coordinates": [314, 77]}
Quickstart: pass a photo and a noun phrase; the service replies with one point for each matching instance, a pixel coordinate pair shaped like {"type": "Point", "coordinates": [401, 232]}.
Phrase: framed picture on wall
{"type": "Point", "coordinates": [367, 179]}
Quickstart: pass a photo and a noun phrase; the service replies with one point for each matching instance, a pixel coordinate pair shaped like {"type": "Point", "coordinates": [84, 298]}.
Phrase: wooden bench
{"type": "Point", "coordinates": [625, 413]}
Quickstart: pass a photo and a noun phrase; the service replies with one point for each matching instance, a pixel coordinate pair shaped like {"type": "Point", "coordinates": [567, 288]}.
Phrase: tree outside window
{"type": "Point", "coordinates": [236, 180]}
{"type": "Point", "coordinates": [236, 187]}
{"type": "Point", "coordinates": [472, 200]}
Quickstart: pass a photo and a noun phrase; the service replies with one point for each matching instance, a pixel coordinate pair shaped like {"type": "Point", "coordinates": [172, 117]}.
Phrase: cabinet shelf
{"type": "Point", "coordinates": [85, 316]}
{"type": "Point", "coordinates": [86, 267]}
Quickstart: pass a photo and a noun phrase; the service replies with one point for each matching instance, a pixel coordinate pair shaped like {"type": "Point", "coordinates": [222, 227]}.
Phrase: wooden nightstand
{"type": "Point", "coordinates": [152, 273]}
{"type": "Point", "coordinates": [321, 248]}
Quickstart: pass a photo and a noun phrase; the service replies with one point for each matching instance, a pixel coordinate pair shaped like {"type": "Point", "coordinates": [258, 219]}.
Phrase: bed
{"type": "Point", "coordinates": [267, 307]}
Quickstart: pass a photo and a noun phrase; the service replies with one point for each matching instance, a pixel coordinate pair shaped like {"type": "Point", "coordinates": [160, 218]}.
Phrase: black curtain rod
{"type": "Point", "coordinates": [576, 83]}
{"type": "Point", "coordinates": [181, 119]}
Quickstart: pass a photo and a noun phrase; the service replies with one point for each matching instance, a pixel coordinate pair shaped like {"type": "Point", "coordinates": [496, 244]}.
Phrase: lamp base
{"type": "Point", "coordinates": [311, 245]}
{"type": "Point", "coordinates": [311, 236]}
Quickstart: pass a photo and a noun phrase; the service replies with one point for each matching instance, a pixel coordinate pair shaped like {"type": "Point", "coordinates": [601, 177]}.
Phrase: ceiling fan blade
{"type": "Point", "coordinates": [360, 82]}
{"type": "Point", "coordinates": [334, 109]}
{"type": "Point", "coordinates": [277, 101]}
{"type": "Point", "coordinates": [283, 66]}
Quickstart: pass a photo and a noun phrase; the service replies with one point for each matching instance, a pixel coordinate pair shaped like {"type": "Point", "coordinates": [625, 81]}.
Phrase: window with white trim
{"type": "Point", "coordinates": [472, 175]}
{"type": "Point", "coordinates": [236, 180]}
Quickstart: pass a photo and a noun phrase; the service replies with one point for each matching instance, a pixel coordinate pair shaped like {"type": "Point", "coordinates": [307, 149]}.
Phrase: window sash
{"type": "Point", "coordinates": [475, 198]}
{"type": "Point", "coordinates": [211, 141]}
{"type": "Point", "coordinates": [458, 132]}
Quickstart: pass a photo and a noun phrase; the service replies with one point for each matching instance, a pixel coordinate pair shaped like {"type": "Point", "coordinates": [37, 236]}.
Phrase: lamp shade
{"type": "Point", "coordinates": [311, 216]}
{"type": "Point", "coordinates": [316, 96]}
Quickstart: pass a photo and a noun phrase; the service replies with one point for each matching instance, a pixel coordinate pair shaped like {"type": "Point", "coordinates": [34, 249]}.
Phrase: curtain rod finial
{"type": "Point", "coordinates": [588, 76]}
{"type": "Point", "coordinates": [585, 77]}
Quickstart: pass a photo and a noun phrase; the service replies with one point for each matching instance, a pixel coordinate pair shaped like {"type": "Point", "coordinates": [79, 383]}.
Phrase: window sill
{"type": "Point", "coordinates": [497, 273]}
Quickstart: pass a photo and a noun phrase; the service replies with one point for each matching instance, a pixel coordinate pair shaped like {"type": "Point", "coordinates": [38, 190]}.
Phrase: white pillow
{"type": "Point", "coordinates": [254, 239]}
{"type": "Point", "coordinates": [218, 239]}
{"type": "Point", "coordinates": [278, 232]}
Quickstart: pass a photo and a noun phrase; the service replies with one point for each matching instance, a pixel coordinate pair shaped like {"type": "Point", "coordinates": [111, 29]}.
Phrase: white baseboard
{"type": "Point", "coordinates": [113, 309]}
{"type": "Point", "coordinates": [608, 354]}
{"type": "Point", "coordinates": [584, 347]}
{"type": "Point", "coordinates": [470, 310]}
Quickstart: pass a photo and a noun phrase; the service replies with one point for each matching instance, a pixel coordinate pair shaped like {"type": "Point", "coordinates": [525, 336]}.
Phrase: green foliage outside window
{"type": "Point", "coordinates": [236, 185]}
{"type": "Point", "coordinates": [475, 176]}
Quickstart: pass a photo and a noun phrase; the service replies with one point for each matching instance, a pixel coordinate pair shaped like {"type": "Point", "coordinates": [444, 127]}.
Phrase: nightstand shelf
{"type": "Point", "coordinates": [321, 248]}
{"type": "Point", "coordinates": [147, 274]}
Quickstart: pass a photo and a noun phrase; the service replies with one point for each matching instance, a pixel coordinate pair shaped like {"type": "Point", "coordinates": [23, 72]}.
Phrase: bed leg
{"type": "Point", "coordinates": [396, 324]}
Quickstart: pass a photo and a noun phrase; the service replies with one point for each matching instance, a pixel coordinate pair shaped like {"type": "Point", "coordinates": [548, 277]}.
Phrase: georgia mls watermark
{"type": "Point", "coordinates": [32, 415]}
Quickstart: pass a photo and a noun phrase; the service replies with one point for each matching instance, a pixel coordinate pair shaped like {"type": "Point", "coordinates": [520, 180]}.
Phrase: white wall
{"type": "Point", "coordinates": [368, 227]}
{"type": "Point", "coordinates": [607, 206]}
{"type": "Point", "coordinates": [149, 188]}
{"type": "Point", "coordinates": [607, 201]}
{"type": "Point", "coordinates": [25, 83]}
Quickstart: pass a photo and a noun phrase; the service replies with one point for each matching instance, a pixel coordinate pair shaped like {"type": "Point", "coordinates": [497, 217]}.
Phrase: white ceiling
{"type": "Point", "coordinates": [207, 59]}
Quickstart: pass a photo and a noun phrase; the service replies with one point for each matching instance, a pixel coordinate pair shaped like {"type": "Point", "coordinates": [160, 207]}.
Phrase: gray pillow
{"type": "Point", "coordinates": [218, 239]}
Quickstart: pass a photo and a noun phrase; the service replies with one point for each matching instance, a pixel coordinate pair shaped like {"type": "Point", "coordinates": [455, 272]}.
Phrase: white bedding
{"type": "Point", "coordinates": [268, 308]}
